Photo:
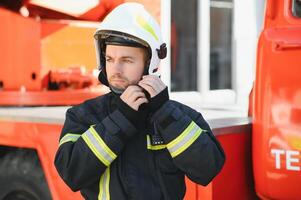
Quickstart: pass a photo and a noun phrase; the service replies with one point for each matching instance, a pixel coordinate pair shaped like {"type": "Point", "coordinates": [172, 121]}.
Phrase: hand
{"type": "Point", "coordinates": [133, 96]}
{"type": "Point", "coordinates": [152, 84]}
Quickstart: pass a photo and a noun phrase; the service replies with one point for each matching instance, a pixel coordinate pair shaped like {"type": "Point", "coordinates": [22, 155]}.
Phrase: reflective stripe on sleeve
{"type": "Point", "coordinates": [98, 146]}
{"type": "Point", "coordinates": [104, 192]}
{"type": "Point", "coordinates": [69, 137]}
{"type": "Point", "coordinates": [184, 140]}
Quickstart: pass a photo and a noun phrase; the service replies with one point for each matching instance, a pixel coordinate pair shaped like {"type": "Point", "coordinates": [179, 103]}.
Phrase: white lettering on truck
{"type": "Point", "coordinates": [290, 158]}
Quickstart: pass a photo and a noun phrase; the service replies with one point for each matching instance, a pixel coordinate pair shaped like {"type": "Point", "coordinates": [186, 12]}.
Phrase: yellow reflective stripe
{"type": "Point", "coordinates": [69, 137]}
{"type": "Point", "coordinates": [156, 147]}
{"type": "Point", "coordinates": [184, 140]}
{"type": "Point", "coordinates": [180, 137]}
{"type": "Point", "coordinates": [186, 145]}
{"type": "Point", "coordinates": [104, 192]}
{"type": "Point", "coordinates": [146, 26]}
{"type": "Point", "coordinates": [98, 146]}
{"type": "Point", "coordinates": [103, 144]}
{"type": "Point", "coordinates": [93, 149]}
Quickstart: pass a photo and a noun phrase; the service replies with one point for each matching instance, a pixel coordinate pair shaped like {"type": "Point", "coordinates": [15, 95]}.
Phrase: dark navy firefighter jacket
{"type": "Point", "coordinates": [107, 150]}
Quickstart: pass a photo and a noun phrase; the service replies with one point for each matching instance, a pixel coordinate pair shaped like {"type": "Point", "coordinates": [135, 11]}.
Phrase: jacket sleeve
{"type": "Point", "coordinates": [86, 150]}
{"type": "Point", "coordinates": [190, 141]}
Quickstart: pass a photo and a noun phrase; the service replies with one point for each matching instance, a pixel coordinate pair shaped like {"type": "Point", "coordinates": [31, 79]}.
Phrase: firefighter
{"type": "Point", "coordinates": [134, 142]}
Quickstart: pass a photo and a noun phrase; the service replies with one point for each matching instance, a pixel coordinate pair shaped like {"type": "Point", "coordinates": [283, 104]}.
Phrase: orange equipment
{"type": "Point", "coordinates": [34, 52]}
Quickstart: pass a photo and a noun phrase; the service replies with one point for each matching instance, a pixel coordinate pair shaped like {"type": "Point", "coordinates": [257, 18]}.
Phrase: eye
{"type": "Point", "coordinates": [108, 59]}
{"type": "Point", "coordinates": [128, 61]}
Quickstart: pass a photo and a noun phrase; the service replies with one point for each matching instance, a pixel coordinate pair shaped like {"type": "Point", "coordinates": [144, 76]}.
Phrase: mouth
{"type": "Point", "coordinates": [117, 80]}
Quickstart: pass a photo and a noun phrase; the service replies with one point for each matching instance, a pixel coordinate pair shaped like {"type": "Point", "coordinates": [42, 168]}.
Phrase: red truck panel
{"type": "Point", "coordinates": [277, 108]}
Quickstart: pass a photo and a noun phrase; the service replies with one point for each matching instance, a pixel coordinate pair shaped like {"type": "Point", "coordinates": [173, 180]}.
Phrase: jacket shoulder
{"type": "Point", "coordinates": [96, 106]}
{"type": "Point", "coordinates": [186, 109]}
{"type": "Point", "coordinates": [182, 106]}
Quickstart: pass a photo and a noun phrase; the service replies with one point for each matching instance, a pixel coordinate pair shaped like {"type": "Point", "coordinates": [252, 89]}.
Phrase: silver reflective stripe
{"type": "Point", "coordinates": [104, 192]}
{"type": "Point", "coordinates": [69, 138]}
{"type": "Point", "coordinates": [184, 140]}
{"type": "Point", "coordinates": [98, 147]}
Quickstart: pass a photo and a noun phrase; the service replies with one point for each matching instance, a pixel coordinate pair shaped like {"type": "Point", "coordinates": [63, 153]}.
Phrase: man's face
{"type": "Point", "coordinates": [124, 65]}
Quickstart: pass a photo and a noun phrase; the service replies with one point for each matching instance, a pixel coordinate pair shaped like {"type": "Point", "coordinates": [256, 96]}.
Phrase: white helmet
{"type": "Point", "coordinates": [130, 24]}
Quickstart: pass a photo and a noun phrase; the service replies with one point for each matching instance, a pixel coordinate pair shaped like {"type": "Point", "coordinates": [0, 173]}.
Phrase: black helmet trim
{"type": "Point", "coordinates": [105, 34]}
{"type": "Point", "coordinates": [113, 40]}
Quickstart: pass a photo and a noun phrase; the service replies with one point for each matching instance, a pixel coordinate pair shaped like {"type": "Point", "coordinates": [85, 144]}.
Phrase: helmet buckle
{"type": "Point", "coordinates": [162, 52]}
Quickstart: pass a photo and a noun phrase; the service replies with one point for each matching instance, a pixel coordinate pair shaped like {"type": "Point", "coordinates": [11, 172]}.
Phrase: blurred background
{"type": "Point", "coordinates": [211, 44]}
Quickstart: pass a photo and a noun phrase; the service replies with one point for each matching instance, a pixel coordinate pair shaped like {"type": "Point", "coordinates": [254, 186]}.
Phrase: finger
{"type": "Point", "coordinates": [140, 101]}
{"type": "Point", "coordinates": [148, 88]}
{"type": "Point", "coordinates": [132, 100]}
{"type": "Point", "coordinates": [130, 90]}
{"type": "Point", "coordinates": [156, 80]}
{"type": "Point", "coordinates": [151, 76]}
{"type": "Point", "coordinates": [152, 84]}
{"type": "Point", "coordinates": [136, 95]}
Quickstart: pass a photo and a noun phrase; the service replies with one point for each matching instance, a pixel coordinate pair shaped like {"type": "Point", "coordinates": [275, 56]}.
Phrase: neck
{"type": "Point", "coordinates": [116, 91]}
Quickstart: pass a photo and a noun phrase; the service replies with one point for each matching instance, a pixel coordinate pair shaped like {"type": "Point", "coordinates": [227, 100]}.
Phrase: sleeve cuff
{"type": "Point", "coordinates": [157, 101]}
{"type": "Point", "coordinates": [137, 118]}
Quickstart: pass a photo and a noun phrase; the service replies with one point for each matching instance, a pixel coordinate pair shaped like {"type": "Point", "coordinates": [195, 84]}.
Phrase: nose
{"type": "Point", "coordinates": [117, 66]}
